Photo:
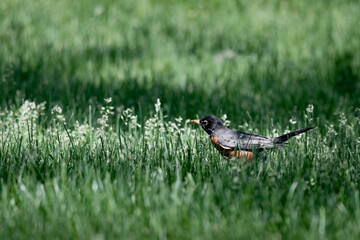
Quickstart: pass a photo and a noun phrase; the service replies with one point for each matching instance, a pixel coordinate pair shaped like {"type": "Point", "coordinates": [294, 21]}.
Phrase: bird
{"type": "Point", "coordinates": [236, 144]}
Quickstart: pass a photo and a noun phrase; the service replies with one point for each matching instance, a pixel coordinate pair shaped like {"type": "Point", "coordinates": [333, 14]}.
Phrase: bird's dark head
{"type": "Point", "coordinates": [209, 123]}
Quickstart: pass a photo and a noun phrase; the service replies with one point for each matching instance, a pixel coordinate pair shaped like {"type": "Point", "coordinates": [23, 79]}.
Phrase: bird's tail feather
{"type": "Point", "coordinates": [285, 137]}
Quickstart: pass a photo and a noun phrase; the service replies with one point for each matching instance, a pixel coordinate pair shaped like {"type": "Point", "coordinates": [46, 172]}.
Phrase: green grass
{"type": "Point", "coordinates": [92, 169]}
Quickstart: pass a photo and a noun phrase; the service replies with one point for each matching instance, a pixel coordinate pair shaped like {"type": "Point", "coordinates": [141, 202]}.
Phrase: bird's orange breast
{"type": "Point", "coordinates": [248, 155]}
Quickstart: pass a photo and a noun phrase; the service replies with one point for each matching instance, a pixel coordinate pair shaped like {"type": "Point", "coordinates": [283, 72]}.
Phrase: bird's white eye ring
{"type": "Point", "coordinates": [205, 122]}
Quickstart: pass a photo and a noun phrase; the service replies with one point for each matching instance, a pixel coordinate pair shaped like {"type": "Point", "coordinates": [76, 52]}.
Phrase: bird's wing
{"type": "Point", "coordinates": [251, 141]}
{"type": "Point", "coordinates": [244, 141]}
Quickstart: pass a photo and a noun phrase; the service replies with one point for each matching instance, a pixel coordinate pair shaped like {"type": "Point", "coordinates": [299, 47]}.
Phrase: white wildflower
{"type": "Point", "coordinates": [157, 105]}
{"type": "Point", "coordinates": [108, 100]}
{"type": "Point", "coordinates": [103, 121]}
{"type": "Point", "coordinates": [133, 121]}
{"type": "Point", "coordinates": [32, 105]}
{"type": "Point", "coordinates": [293, 120]}
{"type": "Point", "coordinates": [57, 112]}
{"type": "Point", "coordinates": [41, 107]}
{"type": "Point", "coordinates": [310, 108]}
{"type": "Point", "coordinates": [331, 130]}
{"type": "Point", "coordinates": [342, 119]}
{"type": "Point", "coordinates": [129, 118]}
{"type": "Point", "coordinates": [299, 136]}
{"type": "Point", "coordinates": [178, 120]}
{"type": "Point", "coordinates": [274, 132]}
{"type": "Point", "coordinates": [309, 113]}
{"type": "Point", "coordinates": [225, 121]}
{"type": "Point", "coordinates": [287, 131]}
{"type": "Point", "coordinates": [27, 118]}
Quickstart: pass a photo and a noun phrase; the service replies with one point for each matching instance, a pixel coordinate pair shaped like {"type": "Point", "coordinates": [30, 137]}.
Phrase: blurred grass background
{"type": "Point", "coordinates": [267, 58]}
{"type": "Point", "coordinates": [260, 62]}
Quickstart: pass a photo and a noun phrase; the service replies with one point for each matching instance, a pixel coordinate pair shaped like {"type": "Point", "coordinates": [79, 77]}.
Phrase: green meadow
{"type": "Point", "coordinates": [95, 103]}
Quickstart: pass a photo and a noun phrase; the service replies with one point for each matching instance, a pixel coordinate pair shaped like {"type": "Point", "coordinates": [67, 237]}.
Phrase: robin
{"type": "Point", "coordinates": [231, 143]}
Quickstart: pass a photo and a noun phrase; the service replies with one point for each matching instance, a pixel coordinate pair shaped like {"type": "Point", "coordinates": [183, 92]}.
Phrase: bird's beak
{"type": "Point", "coordinates": [195, 121]}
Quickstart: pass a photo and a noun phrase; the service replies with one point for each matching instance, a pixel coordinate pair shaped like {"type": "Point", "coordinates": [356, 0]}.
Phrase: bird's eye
{"type": "Point", "coordinates": [205, 122]}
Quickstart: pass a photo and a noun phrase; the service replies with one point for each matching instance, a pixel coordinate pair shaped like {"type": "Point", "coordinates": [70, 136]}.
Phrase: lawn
{"type": "Point", "coordinates": [95, 102]}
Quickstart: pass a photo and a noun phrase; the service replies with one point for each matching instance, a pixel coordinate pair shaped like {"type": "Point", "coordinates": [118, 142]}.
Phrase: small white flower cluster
{"type": "Point", "coordinates": [108, 100]}
{"type": "Point", "coordinates": [331, 131]}
{"type": "Point", "coordinates": [293, 120]}
{"type": "Point", "coordinates": [309, 113]}
{"type": "Point", "coordinates": [342, 119]}
{"type": "Point", "coordinates": [80, 132]}
{"type": "Point", "coordinates": [157, 129]}
{"type": "Point", "coordinates": [158, 105]}
{"type": "Point", "coordinates": [274, 132]}
{"type": "Point", "coordinates": [57, 130]}
{"type": "Point", "coordinates": [310, 108]}
{"type": "Point", "coordinates": [154, 127]}
{"type": "Point", "coordinates": [105, 112]}
{"type": "Point", "coordinates": [25, 121]}
{"type": "Point", "coordinates": [129, 119]}
{"type": "Point", "coordinates": [177, 127]}
{"type": "Point", "coordinates": [225, 120]}
{"type": "Point", "coordinates": [56, 111]}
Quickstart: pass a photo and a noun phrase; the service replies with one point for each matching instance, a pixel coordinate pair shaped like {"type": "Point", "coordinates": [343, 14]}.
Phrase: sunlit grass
{"type": "Point", "coordinates": [112, 177]}
{"type": "Point", "coordinates": [95, 102]}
